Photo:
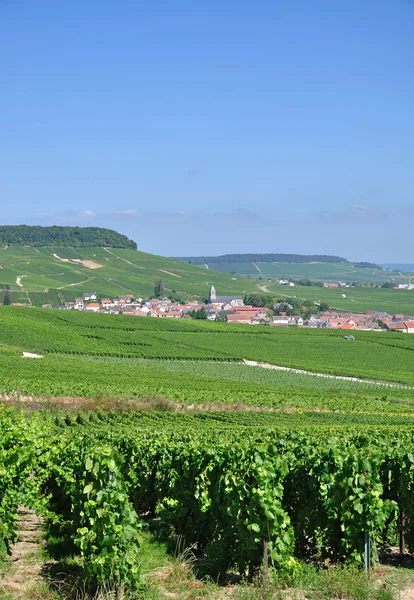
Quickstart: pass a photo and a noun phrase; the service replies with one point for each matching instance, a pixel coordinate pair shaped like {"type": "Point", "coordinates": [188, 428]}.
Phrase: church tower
{"type": "Point", "coordinates": [212, 295]}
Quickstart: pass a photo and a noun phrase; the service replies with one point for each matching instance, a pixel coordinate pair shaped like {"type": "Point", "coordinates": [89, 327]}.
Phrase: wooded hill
{"type": "Point", "coordinates": [242, 258]}
{"type": "Point", "coordinates": [75, 237]}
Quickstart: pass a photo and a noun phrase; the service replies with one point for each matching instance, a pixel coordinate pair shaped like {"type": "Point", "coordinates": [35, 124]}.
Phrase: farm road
{"type": "Point", "coordinates": [253, 363]}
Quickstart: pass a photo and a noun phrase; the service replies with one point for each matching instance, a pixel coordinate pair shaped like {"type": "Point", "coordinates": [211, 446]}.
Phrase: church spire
{"type": "Point", "coordinates": [212, 295]}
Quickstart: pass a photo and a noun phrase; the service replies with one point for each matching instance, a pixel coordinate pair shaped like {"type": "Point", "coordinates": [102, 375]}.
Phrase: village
{"type": "Point", "coordinates": [232, 309]}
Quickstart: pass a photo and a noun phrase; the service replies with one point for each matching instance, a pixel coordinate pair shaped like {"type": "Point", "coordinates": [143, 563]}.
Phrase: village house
{"type": "Point", "coordinates": [409, 326]}
{"type": "Point", "coordinates": [70, 305]}
{"type": "Point", "coordinates": [127, 310]}
{"type": "Point", "coordinates": [193, 306]}
{"type": "Point", "coordinates": [125, 299]}
{"type": "Point", "coordinates": [224, 300]}
{"type": "Point", "coordinates": [93, 307]}
{"type": "Point", "coordinates": [279, 321]}
{"type": "Point", "coordinates": [89, 296]}
{"type": "Point", "coordinates": [79, 304]}
{"type": "Point", "coordinates": [286, 282]}
{"type": "Point", "coordinates": [395, 326]}
{"type": "Point", "coordinates": [239, 318]}
{"type": "Point", "coordinates": [175, 314]}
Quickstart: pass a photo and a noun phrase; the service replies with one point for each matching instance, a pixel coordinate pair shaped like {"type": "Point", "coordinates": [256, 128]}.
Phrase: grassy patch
{"type": "Point", "coordinates": [341, 583]}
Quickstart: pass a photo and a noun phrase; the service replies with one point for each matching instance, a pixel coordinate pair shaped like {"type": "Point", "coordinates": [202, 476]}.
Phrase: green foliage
{"type": "Point", "coordinates": [159, 289]}
{"type": "Point", "coordinates": [87, 506]}
{"type": "Point", "coordinates": [258, 300]}
{"type": "Point", "coordinates": [283, 258]}
{"type": "Point", "coordinates": [7, 299]}
{"type": "Point", "coordinates": [225, 482]}
{"type": "Point", "coordinates": [199, 314]}
{"type": "Point", "coordinates": [323, 306]}
{"type": "Point", "coordinates": [76, 237]}
{"type": "Point", "coordinates": [107, 535]}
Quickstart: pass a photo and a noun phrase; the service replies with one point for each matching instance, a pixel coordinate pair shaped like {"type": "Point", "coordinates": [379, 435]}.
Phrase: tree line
{"type": "Point", "coordinates": [76, 237]}
{"type": "Point", "coordinates": [246, 258]}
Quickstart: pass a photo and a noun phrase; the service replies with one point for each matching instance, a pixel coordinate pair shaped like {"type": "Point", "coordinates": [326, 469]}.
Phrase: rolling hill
{"type": "Point", "coordinates": [281, 266]}
{"type": "Point", "coordinates": [54, 275]}
{"type": "Point", "coordinates": [41, 275]}
{"type": "Point", "coordinates": [37, 274]}
{"type": "Point", "coordinates": [358, 299]}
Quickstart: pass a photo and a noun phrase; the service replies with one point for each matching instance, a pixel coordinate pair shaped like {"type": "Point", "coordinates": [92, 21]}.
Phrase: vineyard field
{"type": "Point", "coordinates": [55, 275]}
{"type": "Point", "coordinates": [228, 457]}
{"type": "Point", "coordinates": [356, 299]}
{"type": "Point", "coordinates": [225, 483]}
{"type": "Point", "coordinates": [373, 355]}
{"type": "Point", "coordinates": [110, 356]}
{"type": "Point", "coordinates": [331, 272]}
{"type": "Point", "coordinates": [60, 274]}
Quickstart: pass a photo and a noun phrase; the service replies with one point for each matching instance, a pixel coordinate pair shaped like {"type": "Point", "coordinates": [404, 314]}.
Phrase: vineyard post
{"type": "Point", "coordinates": [402, 527]}
{"type": "Point", "coordinates": [367, 552]}
{"type": "Point", "coordinates": [266, 559]}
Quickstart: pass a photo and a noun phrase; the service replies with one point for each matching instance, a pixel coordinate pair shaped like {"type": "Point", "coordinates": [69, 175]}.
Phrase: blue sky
{"type": "Point", "coordinates": [213, 127]}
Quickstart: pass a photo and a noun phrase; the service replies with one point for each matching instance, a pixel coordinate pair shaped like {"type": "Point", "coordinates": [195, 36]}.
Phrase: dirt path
{"type": "Point", "coordinates": [62, 287]}
{"type": "Point", "coordinates": [23, 570]}
{"type": "Point", "coordinates": [124, 259]}
{"type": "Point", "coordinates": [264, 288]}
{"type": "Point", "coordinates": [19, 280]}
{"type": "Point", "coordinates": [256, 267]}
{"type": "Point", "coordinates": [253, 363]}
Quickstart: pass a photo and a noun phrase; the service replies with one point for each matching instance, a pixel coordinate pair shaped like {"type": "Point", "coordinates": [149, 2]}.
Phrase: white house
{"type": "Point", "coordinates": [90, 296]}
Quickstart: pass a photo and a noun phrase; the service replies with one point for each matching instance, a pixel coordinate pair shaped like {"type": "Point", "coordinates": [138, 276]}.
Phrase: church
{"type": "Point", "coordinates": [232, 300]}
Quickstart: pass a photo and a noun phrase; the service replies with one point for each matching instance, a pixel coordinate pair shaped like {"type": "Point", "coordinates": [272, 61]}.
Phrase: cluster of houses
{"type": "Point", "coordinates": [377, 321]}
{"type": "Point", "coordinates": [233, 310]}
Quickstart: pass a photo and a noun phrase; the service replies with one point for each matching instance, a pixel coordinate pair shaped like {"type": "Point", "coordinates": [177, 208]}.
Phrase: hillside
{"type": "Point", "coordinates": [54, 275]}
{"type": "Point", "coordinates": [248, 258]}
{"type": "Point", "coordinates": [356, 299]}
{"type": "Point", "coordinates": [76, 237]}
{"type": "Point", "coordinates": [282, 266]}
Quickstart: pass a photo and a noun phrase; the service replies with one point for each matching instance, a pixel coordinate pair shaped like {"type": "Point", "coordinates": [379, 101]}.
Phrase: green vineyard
{"type": "Point", "coordinates": [227, 484]}
{"type": "Point", "coordinates": [177, 424]}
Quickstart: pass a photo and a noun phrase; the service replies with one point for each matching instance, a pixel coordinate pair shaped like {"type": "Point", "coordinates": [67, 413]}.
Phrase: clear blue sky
{"type": "Point", "coordinates": [213, 127]}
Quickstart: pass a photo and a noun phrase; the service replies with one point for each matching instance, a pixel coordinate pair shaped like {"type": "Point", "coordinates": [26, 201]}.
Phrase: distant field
{"type": "Point", "coordinates": [404, 267]}
{"type": "Point", "coordinates": [331, 272]}
{"type": "Point", "coordinates": [46, 279]}
{"type": "Point", "coordinates": [357, 299]}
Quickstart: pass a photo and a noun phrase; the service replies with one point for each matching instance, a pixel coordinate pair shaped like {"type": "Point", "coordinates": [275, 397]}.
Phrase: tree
{"type": "Point", "coordinates": [159, 289]}
{"type": "Point", "coordinates": [7, 299]}
{"type": "Point", "coordinates": [323, 306]}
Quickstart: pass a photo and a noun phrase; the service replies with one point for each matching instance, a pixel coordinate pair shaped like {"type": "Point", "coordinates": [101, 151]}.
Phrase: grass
{"type": "Point", "coordinates": [35, 576]}
{"type": "Point", "coordinates": [311, 583]}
